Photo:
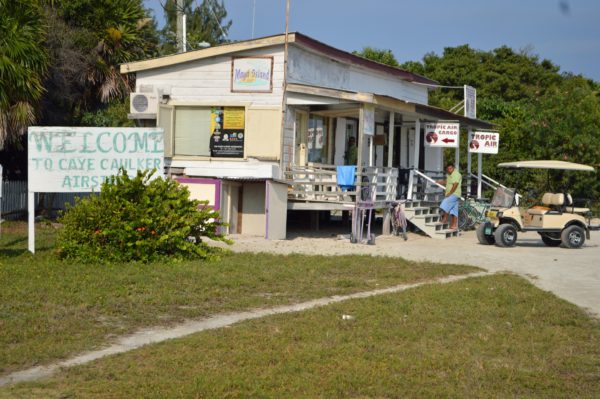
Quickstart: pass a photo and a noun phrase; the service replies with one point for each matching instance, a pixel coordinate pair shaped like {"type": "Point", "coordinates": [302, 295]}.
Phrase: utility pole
{"type": "Point", "coordinates": [180, 29]}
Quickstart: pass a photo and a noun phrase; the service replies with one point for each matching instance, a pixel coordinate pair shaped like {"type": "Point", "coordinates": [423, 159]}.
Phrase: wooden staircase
{"type": "Point", "coordinates": [425, 216]}
{"type": "Point", "coordinates": [423, 211]}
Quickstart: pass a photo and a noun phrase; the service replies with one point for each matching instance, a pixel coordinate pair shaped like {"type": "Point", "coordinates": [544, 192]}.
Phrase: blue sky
{"type": "Point", "coordinates": [567, 32]}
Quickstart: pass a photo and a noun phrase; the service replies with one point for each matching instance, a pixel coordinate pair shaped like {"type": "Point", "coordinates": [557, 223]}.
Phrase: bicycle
{"type": "Point", "coordinates": [398, 219]}
{"type": "Point", "coordinates": [472, 212]}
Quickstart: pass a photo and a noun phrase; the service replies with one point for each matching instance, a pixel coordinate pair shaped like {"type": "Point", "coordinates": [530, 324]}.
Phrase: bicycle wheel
{"type": "Point", "coordinates": [402, 222]}
{"type": "Point", "coordinates": [464, 219]}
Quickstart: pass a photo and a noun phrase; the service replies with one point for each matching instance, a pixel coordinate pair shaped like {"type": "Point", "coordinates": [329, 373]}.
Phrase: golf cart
{"type": "Point", "coordinates": [557, 220]}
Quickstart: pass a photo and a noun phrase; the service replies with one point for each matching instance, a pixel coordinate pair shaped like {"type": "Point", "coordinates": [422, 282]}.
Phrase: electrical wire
{"type": "Point", "coordinates": [438, 86]}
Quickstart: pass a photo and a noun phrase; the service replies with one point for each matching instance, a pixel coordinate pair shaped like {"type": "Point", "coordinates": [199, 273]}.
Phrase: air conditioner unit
{"type": "Point", "coordinates": [143, 103]}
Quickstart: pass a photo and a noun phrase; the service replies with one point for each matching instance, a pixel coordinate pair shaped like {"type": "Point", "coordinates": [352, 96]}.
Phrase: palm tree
{"type": "Point", "coordinates": [115, 32]}
{"type": "Point", "coordinates": [23, 63]}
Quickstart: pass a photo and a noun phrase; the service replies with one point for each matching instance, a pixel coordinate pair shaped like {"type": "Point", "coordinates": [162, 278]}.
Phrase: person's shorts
{"type": "Point", "coordinates": [450, 205]}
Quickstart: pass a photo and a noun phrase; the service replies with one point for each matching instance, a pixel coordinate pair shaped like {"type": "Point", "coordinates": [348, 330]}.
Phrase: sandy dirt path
{"type": "Point", "coordinates": [572, 274]}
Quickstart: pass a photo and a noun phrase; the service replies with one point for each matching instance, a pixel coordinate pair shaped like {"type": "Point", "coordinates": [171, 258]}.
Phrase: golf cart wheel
{"type": "Point", "coordinates": [551, 239]}
{"type": "Point", "coordinates": [573, 237]}
{"type": "Point", "coordinates": [506, 235]}
{"type": "Point", "coordinates": [483, 238]}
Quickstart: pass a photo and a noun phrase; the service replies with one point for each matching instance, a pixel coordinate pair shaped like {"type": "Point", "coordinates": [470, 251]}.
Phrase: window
{"type": "Point", "coordinates": [209, 131]}
{"type": "Point", "coordinates": [192, 131]}
{"type": "Point", "coordinates": [317, 139]}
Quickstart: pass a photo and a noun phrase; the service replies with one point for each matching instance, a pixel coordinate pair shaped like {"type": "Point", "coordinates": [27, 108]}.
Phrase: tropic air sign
{"type": "Point", "coordinates": [442, 134]}
{"type": "Point", "coordinates": [484, 142]}
{"type": "Point", "coordinates": [79, 159]}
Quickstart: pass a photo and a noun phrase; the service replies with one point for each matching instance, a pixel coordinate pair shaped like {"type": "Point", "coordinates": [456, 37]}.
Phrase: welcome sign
{"type": "Point", "coordinates": [252, 74]}
{"type": "Point", "coordinates": [79, 159]}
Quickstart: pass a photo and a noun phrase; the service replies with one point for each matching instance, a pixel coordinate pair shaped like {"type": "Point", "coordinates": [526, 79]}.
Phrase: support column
{"type": "Point", "coordinates": [411, 178]}
{"type": "Point", "coordinates": [479, 172]}
{"type": "Point", "coordinates": [391, 140]}
{"type": "Point", "coordinates": [457, 153]}
{"type": "Point", "coordinates": [403, 148]}
{"type": "Point", "coordinates": [417, 144]}
{"type": "Point", "coordinates": [469, 165]}
{"type": "Point", "coordinates": [360, 144]}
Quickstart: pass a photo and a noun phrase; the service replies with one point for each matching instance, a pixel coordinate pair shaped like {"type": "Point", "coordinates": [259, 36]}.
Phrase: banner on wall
{"type": "Point", "coordinates": [227, 125]}
{"type": "Point", "coordinates": [369, 120]}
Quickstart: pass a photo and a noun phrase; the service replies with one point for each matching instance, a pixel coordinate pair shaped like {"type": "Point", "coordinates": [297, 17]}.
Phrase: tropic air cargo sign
{"type": "Point", "coordinates": [484, 142]}
{"type": "Point", "coordinates": [441, 134]}
{"type": "Point", "coordinates": [79, 159]}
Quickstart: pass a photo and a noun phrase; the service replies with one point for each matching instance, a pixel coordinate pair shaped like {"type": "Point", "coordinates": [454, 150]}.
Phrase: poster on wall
{"type": "Point", "coordinates": [252, 74]}
{"type": "Point", "coordinates": [369, 120]}
{"type": "Point", "coordinates": [227, 125]}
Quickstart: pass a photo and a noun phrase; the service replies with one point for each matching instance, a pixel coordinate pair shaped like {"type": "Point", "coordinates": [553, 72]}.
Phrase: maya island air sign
{"type": "Point", "coordinates": [252, 74]}
{"type": "Point", "coordinates": [79, 159]}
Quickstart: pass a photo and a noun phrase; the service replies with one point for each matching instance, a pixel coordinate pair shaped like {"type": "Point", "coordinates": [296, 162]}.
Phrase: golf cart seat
{"type": "Point", "coordinates": [573, 209]}
{"type": "Point", "coordinates": [550, 202]}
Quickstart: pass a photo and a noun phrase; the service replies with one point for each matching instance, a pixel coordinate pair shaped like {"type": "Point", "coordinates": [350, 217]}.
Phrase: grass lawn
{"type": "Point", "coordinates": [493, 336]}
{"type": "Point", "coordinates": [50, 309]}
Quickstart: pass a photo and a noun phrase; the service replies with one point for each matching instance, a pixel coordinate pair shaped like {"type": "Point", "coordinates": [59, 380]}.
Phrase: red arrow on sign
{"type": "Point", "coordinates": [448, 140]}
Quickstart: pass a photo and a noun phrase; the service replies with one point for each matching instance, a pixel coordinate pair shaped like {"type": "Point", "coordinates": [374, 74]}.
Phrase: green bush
{"type": "Point", "coordinates": [138, 219]}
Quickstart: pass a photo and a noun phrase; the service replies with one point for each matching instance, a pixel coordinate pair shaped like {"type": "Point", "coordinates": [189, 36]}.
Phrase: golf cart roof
{"type": "Point", "coordinates": [562, 165]}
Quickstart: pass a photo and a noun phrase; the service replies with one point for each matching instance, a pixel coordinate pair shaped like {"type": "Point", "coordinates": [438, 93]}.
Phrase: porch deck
{"type": "Point", "coordinates": [315, 187]}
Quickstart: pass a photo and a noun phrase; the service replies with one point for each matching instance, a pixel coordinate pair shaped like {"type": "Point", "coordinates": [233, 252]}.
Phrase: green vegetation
{"type": "Point", "coordinates": [540, 113]}
{"type": "Point", "coordinates": [23, 63]}
{"type": "Point", "coordinates": [50, 309]}
{"type": "Point", "coordinates": [138, 219]}
{"type": "Point", "coordinates": [495, 336]}
{"type": "Point", "coordinates": [382, 56]}
{"type": "Point", "coordinates": [205, 24]}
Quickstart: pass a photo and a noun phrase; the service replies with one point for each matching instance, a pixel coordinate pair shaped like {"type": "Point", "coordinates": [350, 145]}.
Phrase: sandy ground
{"type": "Point", "coordinates": [572, 274]}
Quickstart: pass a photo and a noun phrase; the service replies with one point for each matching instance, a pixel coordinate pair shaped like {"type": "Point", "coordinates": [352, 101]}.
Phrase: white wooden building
{"type": "Point", "coordinates": [257, 127]}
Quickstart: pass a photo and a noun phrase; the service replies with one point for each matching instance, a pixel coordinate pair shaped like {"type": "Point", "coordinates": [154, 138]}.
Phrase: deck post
{"type": "Point", "coordinates": [415, 166]}
{"type": "Point", "coordinates": [390, 159]}
{"type": "Point", "coordinates": [416, 158]}
{"type": "Point", "coordinates": [360, 144]}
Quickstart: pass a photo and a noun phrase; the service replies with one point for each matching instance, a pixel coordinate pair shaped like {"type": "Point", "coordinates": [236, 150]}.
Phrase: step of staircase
{"type": "Point", "coordinates": [425, 215]}
{"type": "Point", "coordinates": [446, 233]}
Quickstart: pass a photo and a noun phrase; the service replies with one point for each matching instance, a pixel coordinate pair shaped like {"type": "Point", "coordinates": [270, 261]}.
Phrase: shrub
{"type": "Point", "coordinates": [138, 219]}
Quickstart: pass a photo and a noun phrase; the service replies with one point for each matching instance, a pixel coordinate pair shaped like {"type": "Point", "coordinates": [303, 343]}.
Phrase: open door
{"type": "Point", "coordinates": [276, 210]}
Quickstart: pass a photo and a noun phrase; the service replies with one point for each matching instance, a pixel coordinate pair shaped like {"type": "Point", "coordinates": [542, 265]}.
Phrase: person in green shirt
{"type": "Point", "coordinates": [449, 205]}
{"type": "Point", "coordinates": [351, 153]}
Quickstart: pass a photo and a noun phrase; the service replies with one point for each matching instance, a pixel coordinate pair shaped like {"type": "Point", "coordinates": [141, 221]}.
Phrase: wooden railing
{"type": "Point", "coordinates": [318, 182]}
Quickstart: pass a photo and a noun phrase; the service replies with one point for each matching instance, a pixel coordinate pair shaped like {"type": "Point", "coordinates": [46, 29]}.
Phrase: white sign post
{"type": "Point", "coordinates": [442, 134]}
{"type": "Point", "coordinates": [79, 159]}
